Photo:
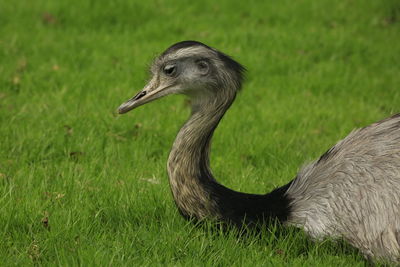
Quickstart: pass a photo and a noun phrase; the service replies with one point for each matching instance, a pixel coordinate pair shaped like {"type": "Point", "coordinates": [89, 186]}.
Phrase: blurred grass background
{"type": "Point", "coordinates": [80, 185]}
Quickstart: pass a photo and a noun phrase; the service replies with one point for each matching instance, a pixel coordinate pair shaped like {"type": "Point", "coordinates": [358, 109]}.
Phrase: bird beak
{"type": "Point", "coordinates": [148, 94]}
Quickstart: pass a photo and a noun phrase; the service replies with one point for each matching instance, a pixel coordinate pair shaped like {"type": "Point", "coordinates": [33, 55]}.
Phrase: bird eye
{"type": "Point", "coordinates": [203, 66]}
{"type": "Point", "coordinates": [170, 70]}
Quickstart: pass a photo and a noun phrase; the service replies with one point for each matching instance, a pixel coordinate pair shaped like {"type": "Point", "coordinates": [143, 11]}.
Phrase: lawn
{"type": "Point", "coordinates": [81, 185]}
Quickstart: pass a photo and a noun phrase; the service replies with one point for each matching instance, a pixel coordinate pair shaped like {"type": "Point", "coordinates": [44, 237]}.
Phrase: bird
{"type": "Point", "coordinates": [351, 192]}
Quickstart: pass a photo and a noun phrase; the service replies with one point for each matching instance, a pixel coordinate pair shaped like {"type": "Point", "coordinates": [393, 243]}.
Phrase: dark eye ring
{"type": "Point", "coordinates": [203, 66]}
{"type": "Point", "coordinates": [170, 70]}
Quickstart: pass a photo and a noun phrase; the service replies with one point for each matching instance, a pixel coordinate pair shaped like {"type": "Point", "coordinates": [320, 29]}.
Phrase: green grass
{"type": "Point", "coordinates": [80, 185]}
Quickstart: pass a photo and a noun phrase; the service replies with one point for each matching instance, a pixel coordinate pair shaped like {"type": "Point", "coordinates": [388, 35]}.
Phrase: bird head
{"type": "Point", "coordinates": [191, 68]}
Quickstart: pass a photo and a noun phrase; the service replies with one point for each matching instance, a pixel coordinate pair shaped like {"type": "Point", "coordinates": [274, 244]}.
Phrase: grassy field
{"type": "Point", "coordinates": [80, 185]}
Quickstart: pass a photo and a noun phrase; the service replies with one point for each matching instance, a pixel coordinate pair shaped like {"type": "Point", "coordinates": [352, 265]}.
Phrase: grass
{"type": "Point", "coordinates": [80, 185]}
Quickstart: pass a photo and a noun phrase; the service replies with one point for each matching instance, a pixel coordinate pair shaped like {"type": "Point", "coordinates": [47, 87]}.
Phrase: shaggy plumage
{"type": "Point", "coordinates": [351, 192]}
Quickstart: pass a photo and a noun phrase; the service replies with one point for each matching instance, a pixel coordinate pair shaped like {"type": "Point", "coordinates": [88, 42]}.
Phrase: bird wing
{"type": "Point", "coordinates": [353, 190]}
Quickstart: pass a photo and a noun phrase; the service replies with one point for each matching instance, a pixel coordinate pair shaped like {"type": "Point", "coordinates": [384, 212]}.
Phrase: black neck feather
{"type": "Point", "coordinates": [251, 209]}
{"type": "Point", "coordinates": [197, 194]}
{"type": "Point", "coordinates": [226, 205]}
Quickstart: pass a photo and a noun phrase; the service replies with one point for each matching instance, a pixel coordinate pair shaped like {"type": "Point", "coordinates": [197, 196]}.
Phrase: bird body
{"type": "Point", "coordinates": [353, 191]}
{"type": "Point", "coordinates": [350, 192]}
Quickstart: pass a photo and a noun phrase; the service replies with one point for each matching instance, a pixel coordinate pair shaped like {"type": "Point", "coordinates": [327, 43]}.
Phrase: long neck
{"type": "Point", "coordinates": [196, 192]}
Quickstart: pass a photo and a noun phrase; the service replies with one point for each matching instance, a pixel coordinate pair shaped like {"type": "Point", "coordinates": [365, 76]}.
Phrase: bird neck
{"type": "Point", "coordinates": [196, 193]}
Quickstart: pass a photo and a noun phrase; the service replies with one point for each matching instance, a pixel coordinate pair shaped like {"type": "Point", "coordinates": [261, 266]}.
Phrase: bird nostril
{"type": "Point", "coordinates": [139, 95]}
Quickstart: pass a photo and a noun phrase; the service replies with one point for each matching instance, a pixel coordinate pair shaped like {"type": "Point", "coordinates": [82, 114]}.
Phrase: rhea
{"type": "Point", "coordinates": [351, 192]}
